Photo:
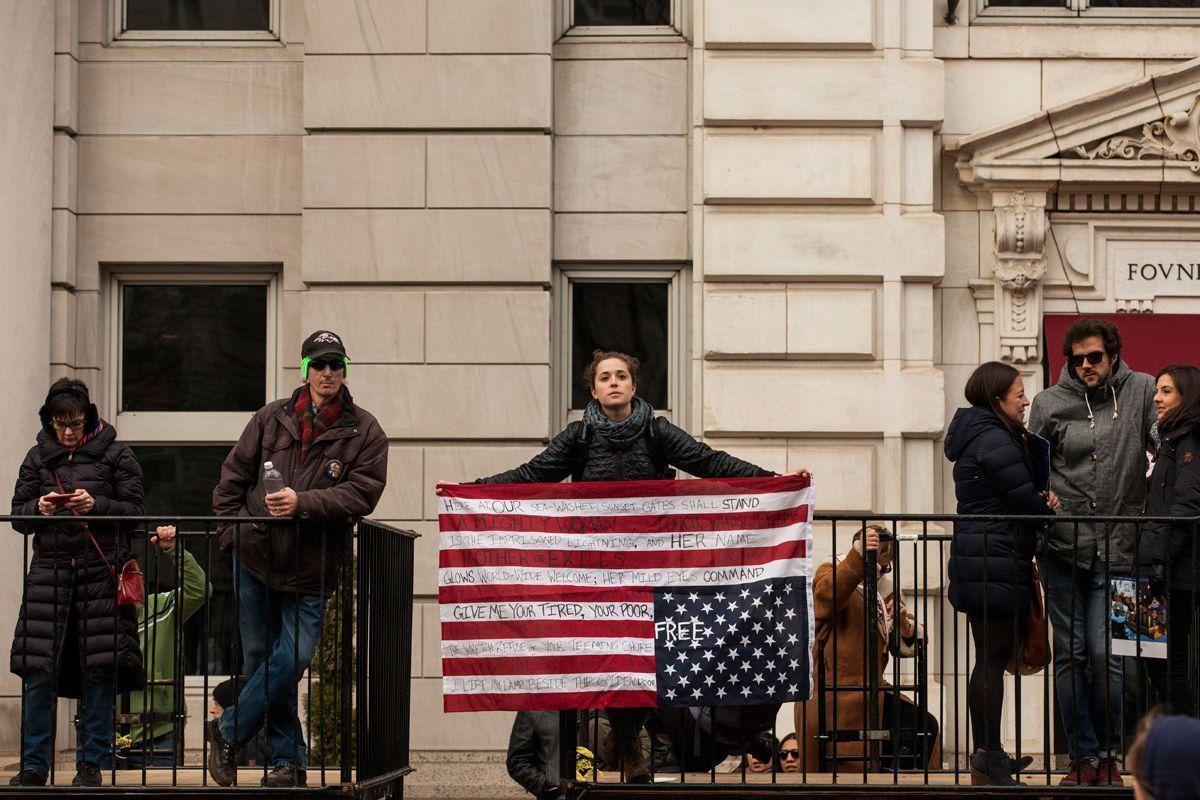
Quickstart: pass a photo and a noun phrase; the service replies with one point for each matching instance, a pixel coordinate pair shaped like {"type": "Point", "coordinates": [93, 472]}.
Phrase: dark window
{"type": "Point", "coordinates": [179, 481]}
{"type": "Point", "coordinates": [198, 15]}
{"type": "Point", "coordinates": [626, 317]}
{"type": "Point", "coordinates": [193, 347]}
{"type": "Point", "coordinates": [622, 12]}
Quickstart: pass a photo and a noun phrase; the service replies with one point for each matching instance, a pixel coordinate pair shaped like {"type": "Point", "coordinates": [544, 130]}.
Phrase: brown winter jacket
{"type": "Point", "coordinates": [341, 480]}
{"type": "Point", "coordinates": [846, 621]}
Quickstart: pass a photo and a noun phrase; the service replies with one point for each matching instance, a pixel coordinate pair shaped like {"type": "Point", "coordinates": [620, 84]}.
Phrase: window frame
{"type": "Point", "coordinates": [677, 279]}
{"type": "Point", "coordinates": [1079, 11]}
{"type": "Point", "coordinates": [184, 427]}
{"type": "Point", "coordinates": [119, 33]}
{"type": "Point", "coordinates": [679, 27]}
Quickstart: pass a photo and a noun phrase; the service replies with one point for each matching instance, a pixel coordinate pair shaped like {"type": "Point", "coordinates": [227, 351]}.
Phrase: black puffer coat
{"type": "Point", "coordinates": [1174, 492]}
{"type": "Point", "coordinates": [990, 477]}
{"type": "Point", "coordinates": [69, 616]}
{"type": "Point", "coordinates": [585, 456]}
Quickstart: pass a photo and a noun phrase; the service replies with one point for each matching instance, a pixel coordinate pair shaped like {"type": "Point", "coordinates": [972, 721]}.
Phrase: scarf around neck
{"type": "Point", "coordinates": [619, 435]}
{"type": "Point", "coordinates": [315, 421]}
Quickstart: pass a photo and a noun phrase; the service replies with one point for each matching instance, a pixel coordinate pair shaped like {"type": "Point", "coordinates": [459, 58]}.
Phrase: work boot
{"type": "Point", "coordinates": [625, 753]}
{"type": "Point", "coordinates": [1082, 773]}
{"type": "Point", "coordinates": [1109, 773]}
{"type": "Point", "coordinates": [222, 758]}
{"type": "Point", "coordinates": [86, 774]}
{"type": "Point", "coordinates": [993, 768]}
{"type": "Point", "coordinates": [285, 775]}
{"type": "Point", "coordinates": [27, 777]}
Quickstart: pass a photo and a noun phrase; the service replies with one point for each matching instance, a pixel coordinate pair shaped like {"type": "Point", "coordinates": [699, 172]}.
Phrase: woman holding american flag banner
{"type": "Point", "coordinates": [620, 439]}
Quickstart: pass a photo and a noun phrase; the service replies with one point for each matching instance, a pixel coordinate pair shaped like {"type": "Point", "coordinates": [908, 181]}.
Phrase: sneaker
{"type": "Point", "coordinates": [285, 775]}
{"type": "Point", "coordinates": [222, 759]}
{"type": "Point", "coordinates": [27, 777]}
{"type": "Point", "coordinates": [1109, 773]}
{"type": "Point", "coordinates": [86, 774]}
{"type": "Point", "coordinates": [1082, 773]}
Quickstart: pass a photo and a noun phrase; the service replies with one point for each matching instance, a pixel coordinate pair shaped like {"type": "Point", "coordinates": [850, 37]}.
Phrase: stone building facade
{"type": "Point", "coordinates": [825, 214]}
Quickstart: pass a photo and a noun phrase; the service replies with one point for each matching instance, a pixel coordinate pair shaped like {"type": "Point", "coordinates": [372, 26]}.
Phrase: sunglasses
{"type": "Point", "coordinates": [319, 364]}
{"type": "Point", "coordinates": [75, 425]}
{"type": "Point", "coordinates": [1093, 358]}
{"type": "Point", "coordinates": [786, 754]}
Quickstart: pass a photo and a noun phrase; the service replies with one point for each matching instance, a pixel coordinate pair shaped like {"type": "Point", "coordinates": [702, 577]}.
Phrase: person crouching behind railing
{"type": "Point", "coordinates": [991, 564]}
{"type": "Point", "coordinates": [840, 654]}
{"type": "Point", "coordinates": [72, 638]}
{"type": "Point", "coordinates": [152, 742]}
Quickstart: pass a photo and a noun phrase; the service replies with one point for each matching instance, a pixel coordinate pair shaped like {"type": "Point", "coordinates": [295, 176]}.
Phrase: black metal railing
{"type": "Point", "coordinates": [903, 720]}
{"type": "Point", "coordinates": [317, 618]}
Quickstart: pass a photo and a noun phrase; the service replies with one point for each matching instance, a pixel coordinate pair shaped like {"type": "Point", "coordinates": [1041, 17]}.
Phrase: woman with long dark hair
{"type": "Point", "coordinates": [620, 439]}
{"type": "Point", "coordinates": [991, 564]}
{"type": "Point", "coordinates": [1168, 552]}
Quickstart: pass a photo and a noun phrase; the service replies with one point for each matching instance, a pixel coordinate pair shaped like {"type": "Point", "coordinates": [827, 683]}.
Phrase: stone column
{"type": "Point", "coordinates": [27, 164]}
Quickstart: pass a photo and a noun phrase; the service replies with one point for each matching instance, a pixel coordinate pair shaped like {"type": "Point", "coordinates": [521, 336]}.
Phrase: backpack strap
{"type": "Point", "coordinates": [580, 450]}
{"type": "Point", "coordinates": [662, 467]}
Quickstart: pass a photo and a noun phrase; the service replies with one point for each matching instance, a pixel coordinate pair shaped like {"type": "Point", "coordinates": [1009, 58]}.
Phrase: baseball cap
{"type": "Point", "coordinates": [322, 343]}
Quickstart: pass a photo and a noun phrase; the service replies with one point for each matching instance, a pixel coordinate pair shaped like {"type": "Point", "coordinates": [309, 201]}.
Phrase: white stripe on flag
{"type": "Point", "coordinates": [520, 611]}
{"type": "Point", "coordinates": [630, 506]}
{"type": "Point", "coordinates": [565, 646]}
{"type": "Point", "coordinates": [691, 576]}
{"type": "Point", "coordinates": [700, 540]}
{"type": "Point", "coordinates": [572, 682]}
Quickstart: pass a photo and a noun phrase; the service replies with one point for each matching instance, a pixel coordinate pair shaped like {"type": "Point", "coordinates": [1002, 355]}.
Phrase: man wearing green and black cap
{"type": "Point", "coordinates": [331, 460]}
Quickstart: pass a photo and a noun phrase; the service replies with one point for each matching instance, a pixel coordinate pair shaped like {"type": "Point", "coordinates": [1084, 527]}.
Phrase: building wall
{"type": "Point", "coordinates": [419, 175]}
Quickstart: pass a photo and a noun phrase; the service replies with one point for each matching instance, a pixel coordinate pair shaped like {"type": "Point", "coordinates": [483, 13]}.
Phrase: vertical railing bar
{"type": "Point", "coordinates": [832, 741]}
{"type": "Point", "coordinates": [347, 664]}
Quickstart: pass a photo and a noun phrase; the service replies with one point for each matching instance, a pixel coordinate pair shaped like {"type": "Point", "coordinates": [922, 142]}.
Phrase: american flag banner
{"type": "Point", "coordinates": [627, 594]}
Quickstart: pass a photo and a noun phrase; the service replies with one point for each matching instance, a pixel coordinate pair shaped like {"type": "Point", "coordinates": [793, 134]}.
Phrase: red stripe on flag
{"type": "Point", "coordinates": [622, 559]}
{"type": "Point", "coordinates": [546, 628]}
{"type": "Point", "coordinates": [648, 523]}
{"type": "Point", "coordinates": [624, 489]}
{"type": "Point", "coordinates": [513, 593]}
{"type": "Point", "coordinates": [547, 665]}
{"type": "Point", "coordinates": [550, 701]}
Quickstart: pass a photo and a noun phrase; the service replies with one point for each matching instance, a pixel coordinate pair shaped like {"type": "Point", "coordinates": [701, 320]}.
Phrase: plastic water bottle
{"type": "Point", "coordinates": [272, 480]}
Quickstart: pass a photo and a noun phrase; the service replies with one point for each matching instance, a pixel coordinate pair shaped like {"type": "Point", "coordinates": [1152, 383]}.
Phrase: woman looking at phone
{"type": "Point", "coordinates": [72, 639]}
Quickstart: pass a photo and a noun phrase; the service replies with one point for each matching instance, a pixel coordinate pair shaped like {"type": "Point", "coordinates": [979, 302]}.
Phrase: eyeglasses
{"type": "Point", "coordinates": [1093, 358]}
{"type": "Point", "coordinates": [786, 754]}
{"type": "Point", "coordinates": [75, 425]}
{"type": "Point", "coordinates": [335, 364]}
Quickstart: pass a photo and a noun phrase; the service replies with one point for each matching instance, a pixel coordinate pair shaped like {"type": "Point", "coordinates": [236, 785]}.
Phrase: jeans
{"type": "Point", "coordinates": [93, 723]}
{"type": "Point", "coordinates": [279, 637]}
{"type": "Point", "coordinates": [1088, 684]}
{"type": "Point", "coordinates": [158, 752]}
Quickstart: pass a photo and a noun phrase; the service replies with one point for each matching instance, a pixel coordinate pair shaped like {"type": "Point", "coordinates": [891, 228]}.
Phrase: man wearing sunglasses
{"type": "Point", "coordinates": [332, 456]}
{"type": "Point", "coordinates": [1097, 419]}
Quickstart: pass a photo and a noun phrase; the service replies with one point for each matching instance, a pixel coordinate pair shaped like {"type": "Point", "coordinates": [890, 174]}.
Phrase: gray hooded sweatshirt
{"type": "Point", "coordinates": [1098, 461]}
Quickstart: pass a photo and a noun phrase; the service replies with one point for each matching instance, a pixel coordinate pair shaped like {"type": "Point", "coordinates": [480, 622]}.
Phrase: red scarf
{"type": "Point", "coordinates": [315, 421]}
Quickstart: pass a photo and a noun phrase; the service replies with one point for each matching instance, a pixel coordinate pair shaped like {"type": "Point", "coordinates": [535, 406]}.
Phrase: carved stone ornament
{"type": "Point", "coordinates": [1175, 137]}
{"type": "Point", "coordinates": [1019, 267]}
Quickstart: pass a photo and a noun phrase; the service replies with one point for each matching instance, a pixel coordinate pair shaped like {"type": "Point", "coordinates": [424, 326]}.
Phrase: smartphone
{"type": "Point", "coordinates": [59, 499]}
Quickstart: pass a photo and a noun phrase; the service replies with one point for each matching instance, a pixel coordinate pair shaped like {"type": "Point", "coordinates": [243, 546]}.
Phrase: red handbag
{"type": "Point", "coordinates": [1034, 653]}
{"type": "Point", "coordinates": [131, 589]}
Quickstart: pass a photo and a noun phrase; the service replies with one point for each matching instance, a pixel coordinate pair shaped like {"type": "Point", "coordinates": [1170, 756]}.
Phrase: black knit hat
{"type": "Point", "coordinates": [322, 343]}
{"type": "Point", "coordinates": [91, 417]}
{"type": "Point", "coordinates": [226, 692]}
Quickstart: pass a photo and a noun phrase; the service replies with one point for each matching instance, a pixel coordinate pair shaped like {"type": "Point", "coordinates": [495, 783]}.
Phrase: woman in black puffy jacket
{"type": "Point", "coordinates": [991, 564]}
{"type": "Point", "coordinates": [1170, 550]}
{"type": "Point", "coordinates": [620, 439]}
{"type": "Point", "coordinates": [72, 640]}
